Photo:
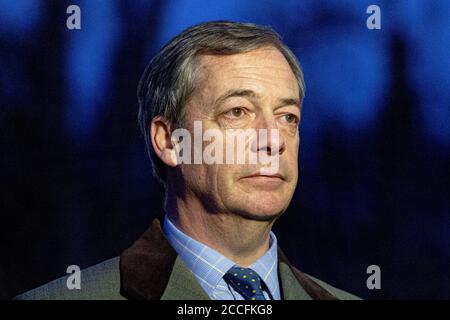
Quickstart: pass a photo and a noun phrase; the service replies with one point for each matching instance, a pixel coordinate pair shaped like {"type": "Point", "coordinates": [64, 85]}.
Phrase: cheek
{"type": "Point", "coordinates": [292, 145]}
{"type": "Point", "coordinates": [227, 176]}
{"type": "Point", "coordinates": [197, 177]}
{"type": "Point", "coordinates": [225, 173]}
{"type": "Point", "coordinates": [218, 179]}
{"type": "Point", "coordinates": [292, 157]}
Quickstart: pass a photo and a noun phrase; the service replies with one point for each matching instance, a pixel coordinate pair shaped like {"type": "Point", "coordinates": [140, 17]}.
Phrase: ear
{"type": "Point", "coordinates": [160, 135]}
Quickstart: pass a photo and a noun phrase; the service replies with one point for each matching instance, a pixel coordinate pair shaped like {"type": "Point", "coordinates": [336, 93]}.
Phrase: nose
{"type": "Point", "coordinates": [268, 137]}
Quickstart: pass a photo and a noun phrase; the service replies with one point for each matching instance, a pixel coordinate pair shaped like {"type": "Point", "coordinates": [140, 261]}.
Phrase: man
{"type": "Point", "coordinates": [215, 241]}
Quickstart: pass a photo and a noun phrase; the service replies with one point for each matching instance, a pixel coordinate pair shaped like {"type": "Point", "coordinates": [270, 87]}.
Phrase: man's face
{"type": "Point", "coordinates": [253, 90]}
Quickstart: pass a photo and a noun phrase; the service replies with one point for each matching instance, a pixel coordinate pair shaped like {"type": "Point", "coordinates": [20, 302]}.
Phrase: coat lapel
{"type": "Point", "coordinates": [183, 285]}
{"type": "Point", "coordinates": [304, 288]}
{"type": "Point", "coordinates": [290, 287]}
{"type": "Point", "coordinates": [151, 270]}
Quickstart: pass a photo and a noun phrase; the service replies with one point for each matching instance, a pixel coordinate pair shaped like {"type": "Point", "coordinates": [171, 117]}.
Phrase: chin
{"type": "Point", "coordinates": [253, 201]}
{"type": "Point", "coordinates": [261, 210]}
{"type": "Point", "coordinates": [258, 216]}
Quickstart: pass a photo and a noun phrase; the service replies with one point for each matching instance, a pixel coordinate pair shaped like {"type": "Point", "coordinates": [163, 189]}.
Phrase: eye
{"type": "Point", "coordinates": [236, 112]}
{"type": "Point", "coordinates": [291, 118]}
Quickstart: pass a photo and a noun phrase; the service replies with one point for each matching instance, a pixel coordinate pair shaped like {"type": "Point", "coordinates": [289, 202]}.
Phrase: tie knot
{"type": "Point", "coordinates": [245, 281]}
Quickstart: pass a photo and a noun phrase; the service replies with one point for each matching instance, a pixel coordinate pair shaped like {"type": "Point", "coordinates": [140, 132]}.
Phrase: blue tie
{"type": "Point", "coordinates": [245, 281]}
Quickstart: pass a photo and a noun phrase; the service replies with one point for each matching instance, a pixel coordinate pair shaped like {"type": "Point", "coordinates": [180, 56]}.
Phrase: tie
{"type": "Point", "coordinates": [245, 281]}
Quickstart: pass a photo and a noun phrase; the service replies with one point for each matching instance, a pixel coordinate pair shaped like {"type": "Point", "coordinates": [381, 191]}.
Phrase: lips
{"type": "Point", "coordinates": [268, 176]}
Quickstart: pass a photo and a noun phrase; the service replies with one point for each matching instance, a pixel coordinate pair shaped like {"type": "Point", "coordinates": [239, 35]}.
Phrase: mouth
{"type": "Point", "coordinates": [268, 177]}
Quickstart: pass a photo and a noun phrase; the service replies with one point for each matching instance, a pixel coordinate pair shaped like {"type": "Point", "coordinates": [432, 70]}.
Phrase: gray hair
{"type": "Point", "coordinates": [171, 77]}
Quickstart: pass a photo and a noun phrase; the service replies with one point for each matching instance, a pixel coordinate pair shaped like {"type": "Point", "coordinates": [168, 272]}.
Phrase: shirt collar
{"type": "Point", "coordinates": [209, 266]}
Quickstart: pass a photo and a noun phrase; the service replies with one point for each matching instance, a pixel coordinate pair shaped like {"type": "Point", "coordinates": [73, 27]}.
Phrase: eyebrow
{"type": "Point", "coordinates": [253, 95]}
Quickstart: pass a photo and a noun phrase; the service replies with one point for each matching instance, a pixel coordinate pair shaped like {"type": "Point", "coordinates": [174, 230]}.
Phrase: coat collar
{"type": "Point", "coordinates": [151, 270]}
{"type": "Point", "coordinates": [313, 290]}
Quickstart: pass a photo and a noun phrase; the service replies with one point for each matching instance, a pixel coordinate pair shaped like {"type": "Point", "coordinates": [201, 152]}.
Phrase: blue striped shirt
{"type": "Point", "coordinates": [209, 266]}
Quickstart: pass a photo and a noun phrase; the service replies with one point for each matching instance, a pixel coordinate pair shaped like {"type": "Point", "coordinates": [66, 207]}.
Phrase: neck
{"type": "Point", "coordinates": [239, 239]}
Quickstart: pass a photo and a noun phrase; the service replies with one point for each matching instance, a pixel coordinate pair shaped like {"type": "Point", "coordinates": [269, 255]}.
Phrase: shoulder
{"type": "Point", "coordinates": [338, 293]}
{"type": "Point", "coordinates": [99, 282]}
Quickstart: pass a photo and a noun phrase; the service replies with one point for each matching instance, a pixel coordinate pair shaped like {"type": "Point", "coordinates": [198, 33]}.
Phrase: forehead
{"type": "Point", "coordinates": [264, 71]}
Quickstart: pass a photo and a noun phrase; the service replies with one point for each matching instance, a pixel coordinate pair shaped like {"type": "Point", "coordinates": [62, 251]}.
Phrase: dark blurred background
{"type": "Point", "coordinates": [76, 186]}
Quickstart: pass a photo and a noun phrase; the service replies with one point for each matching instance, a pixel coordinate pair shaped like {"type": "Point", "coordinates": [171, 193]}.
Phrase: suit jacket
{"type": "Point", "coordinates": [151, 269]}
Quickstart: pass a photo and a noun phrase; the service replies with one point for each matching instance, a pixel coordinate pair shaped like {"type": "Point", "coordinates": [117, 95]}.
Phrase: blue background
{"type": "Point", "coordinates": [76, 186]}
